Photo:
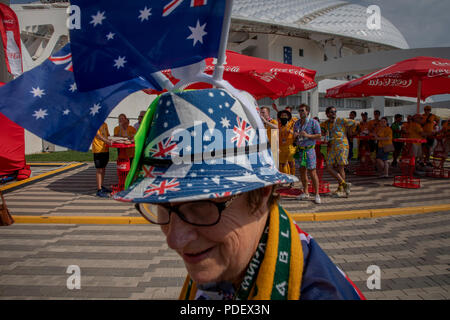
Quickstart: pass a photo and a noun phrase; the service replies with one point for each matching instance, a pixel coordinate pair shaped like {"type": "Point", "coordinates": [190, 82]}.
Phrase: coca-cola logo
{"type": "Point", "coordinates": [388, 82]}
{"type": "Point", "coordinates": [441, 64]}
{"type": "Point", "coordinates": [308, 84]}
{"type": "Point", "coordinates": [290, 71]}
{"type": "Point", "coordinates": [438, 72]}
{"type": "Point", "coordinates": [266, 76]}
{"type": "Point", "coordinates": [13, 55]}
{"type": "Point", "coordinates": [9, 21]}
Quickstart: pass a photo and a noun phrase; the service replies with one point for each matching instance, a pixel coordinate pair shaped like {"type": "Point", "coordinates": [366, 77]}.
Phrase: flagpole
{"type": "Point", "coordinates": [219, 68]}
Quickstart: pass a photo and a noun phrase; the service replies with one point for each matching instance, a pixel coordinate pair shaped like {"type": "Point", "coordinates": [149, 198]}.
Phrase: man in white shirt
{"type": "Point", "coordinates": [141, 116]}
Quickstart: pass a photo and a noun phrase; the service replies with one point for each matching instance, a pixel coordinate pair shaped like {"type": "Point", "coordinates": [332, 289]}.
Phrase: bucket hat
{"type": "Point", "coordinates": [196, 145]}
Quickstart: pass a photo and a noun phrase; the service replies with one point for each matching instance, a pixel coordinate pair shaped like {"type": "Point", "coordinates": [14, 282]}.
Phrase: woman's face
{"type": "Point", "coordinates": [122, 120]}
{"type": "Point", "coordinates": [383, 123]}
{"type": "Point", "coordinates": [220, 252]}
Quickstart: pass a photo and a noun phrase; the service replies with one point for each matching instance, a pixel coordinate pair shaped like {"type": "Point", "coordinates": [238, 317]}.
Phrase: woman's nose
{"type": "Point", "coordinates": [179, 233]}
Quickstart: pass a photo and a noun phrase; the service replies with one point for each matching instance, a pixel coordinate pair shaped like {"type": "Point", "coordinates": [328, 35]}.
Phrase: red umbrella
{"type": "Point", "coordinates": [260, 77]}
{"type": "Point", "coordinates": [419, 77]}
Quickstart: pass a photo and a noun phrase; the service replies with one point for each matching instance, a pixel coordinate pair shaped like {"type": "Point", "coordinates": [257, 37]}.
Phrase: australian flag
{"type": "Point", "coordinates": [120, 40]}
{"type": "Point", "coordinates": [46, 101]}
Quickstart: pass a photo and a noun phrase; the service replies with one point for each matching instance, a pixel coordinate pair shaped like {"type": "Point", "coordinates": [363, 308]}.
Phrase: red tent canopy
{"type": "Point", "coordinates": [12, 146]}
{"type": "Point", "coordinates": [419, 77]}
{"type": "Point", "coordinates": [260, 77]}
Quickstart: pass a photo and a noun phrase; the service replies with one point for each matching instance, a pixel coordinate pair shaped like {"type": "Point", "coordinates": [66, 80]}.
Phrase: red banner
{"type": "Point", "coordinates": [10, 32]}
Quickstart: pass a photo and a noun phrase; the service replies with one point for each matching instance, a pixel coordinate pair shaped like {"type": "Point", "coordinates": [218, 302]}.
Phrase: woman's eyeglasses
{"type": "Point", "coordinates": [198, 213]}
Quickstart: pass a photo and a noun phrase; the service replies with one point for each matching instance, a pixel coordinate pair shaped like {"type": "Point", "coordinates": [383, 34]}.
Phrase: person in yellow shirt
{"type": "Point", "coordinates": [415, 131]}
{"type": "Point", "coordinates": [384, 137]}
{"type": "Point", "coordinates": [100, 150]}
{"type": "Point", "coordinates": [286, 141]}
{"type": "Point", "coordinates": [405, 126]}
{"type": "Point", "coordinates": [363, 130]}
{"type": "Point", "coordinates": [427, 120]}
{"type": "Point", "coordinates": [290, 109]}
{"type": "Point", "coordinates": [126, 131]}
{"type": "Point", "coordinates": [373, 128]}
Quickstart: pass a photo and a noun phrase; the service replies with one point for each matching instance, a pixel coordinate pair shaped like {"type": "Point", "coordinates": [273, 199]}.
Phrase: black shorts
{"type": "Point", "coordinates": [429, 143]}
{"type": "Point", "coordinates": [398, 146]}
{"type": "Point", "coordinates": [101, 159]}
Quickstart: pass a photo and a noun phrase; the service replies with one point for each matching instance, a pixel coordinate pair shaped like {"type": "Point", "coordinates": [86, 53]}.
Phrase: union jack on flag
{"type": "Point", "coordinates": [241, 132]}
{"type": "Point", "coordinates": [162, 188]}
{"type": "Point", "coordinates": [172, 5]}
{"type": "Point", "coordinates": [149, 172]}
{"type": "Point", "coordinates": [162, 150]}
{"type": "Point", "coordinates": [63, 60]}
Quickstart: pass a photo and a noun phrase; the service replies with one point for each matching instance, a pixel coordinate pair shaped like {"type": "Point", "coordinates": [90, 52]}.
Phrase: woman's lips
{"type": "Point", "coordinates": [196, 257]}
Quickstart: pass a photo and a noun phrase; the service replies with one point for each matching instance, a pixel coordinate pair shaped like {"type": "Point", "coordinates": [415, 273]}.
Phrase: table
{"type": "Point", "coordinates": [366, 164]}
{"type": "Point", "coordinates": [123, 165]}
{"type": "Point", "coordinates": [407, 165]}
{"type": "Point", "coordinates": [324, 186]}
{"type": "Point", "coordinates": [438, 160]}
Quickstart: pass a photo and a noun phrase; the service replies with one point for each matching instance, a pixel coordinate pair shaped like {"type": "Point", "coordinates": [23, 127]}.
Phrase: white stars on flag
{"type": "Point", "coordinates": [110, 36]}
{"type": "Point", "coordinates": [40, 114]}
{"type": "Point", "coordinates": [144, 14]}
{"type": "Point", "coordinates": [66, 112]}
{"type": "Point", "coordinates": [95, 109]}
{"type": "Point", "coordinates": [119, 62]}
{"type": "Point", "coordinates": [73, 87]}
{"type": "Point", "coordinates": [211, 111]}
{"type": "Point", "coordinates": [225, 122]}
{"type": "Point", "coordinates": [37, 92]}
{"type": "Point", "coordinates": [98, 18]}
{"type": "Point", "coordinates": [198, 32]}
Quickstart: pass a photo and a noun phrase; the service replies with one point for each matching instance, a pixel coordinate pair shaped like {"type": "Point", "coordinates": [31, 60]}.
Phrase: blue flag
{"type": "Point", "coordinates": [120, 40]}
{"type": "Point", "coordinates": [46, 101]}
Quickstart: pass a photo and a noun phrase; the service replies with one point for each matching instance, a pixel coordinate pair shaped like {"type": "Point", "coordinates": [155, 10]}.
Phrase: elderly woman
{"type": "Point", "coordinates": [216, 205]}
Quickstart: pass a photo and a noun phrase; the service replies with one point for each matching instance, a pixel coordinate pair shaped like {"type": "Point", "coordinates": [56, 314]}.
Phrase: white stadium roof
{"type": "Point", "coordinates": [324, 16]}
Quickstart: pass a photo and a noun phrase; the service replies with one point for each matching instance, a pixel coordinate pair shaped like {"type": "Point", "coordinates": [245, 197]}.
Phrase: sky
{"type": "Point", "coordinates": [423, 23]}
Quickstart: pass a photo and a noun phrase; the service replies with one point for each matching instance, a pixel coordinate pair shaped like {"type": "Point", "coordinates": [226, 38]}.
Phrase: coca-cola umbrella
{"type": "Point", "coordinates": [260, 77]}
{"type": "Point", "coordinates": [419, 77]}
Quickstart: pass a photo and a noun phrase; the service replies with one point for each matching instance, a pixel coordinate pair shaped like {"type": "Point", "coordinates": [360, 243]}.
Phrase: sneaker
{"type": "Point", "coordinates": [347, 187]}
{"type": "Point", "coordinates": [102, 194]}
{"type": "Point", "coordinates": [303, 196]}
{"type": "Point", "coordinates": [106, 189]}
{"type": "Point", "coordinates": [339, 194]}
{"type": "Point", "coordinates": [317, 199]}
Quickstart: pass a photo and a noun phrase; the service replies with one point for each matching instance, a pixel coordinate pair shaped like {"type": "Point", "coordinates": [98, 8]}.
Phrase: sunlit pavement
{"type": "Point", "coordinates": [411, 252]}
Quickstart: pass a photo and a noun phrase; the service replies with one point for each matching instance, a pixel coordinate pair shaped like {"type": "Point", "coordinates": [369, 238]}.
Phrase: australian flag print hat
{"type": "Point", "coordinates": [197, 145]}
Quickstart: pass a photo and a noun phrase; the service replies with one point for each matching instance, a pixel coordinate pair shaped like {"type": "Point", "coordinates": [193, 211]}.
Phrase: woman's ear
{"type": "Point", "coordinates": [266, 192]}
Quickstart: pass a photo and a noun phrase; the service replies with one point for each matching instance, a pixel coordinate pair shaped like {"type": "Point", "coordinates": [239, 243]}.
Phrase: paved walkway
{"type": "Point", "coordinates": [133, 262]}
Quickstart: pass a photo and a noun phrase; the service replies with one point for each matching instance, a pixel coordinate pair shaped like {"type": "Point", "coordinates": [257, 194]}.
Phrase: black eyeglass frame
{"type": "Point", "coordinates": [221, 206]}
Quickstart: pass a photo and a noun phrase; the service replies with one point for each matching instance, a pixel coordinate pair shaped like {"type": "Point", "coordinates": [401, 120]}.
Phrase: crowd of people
{"type": "Point", "coordinates": [375, 139]}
